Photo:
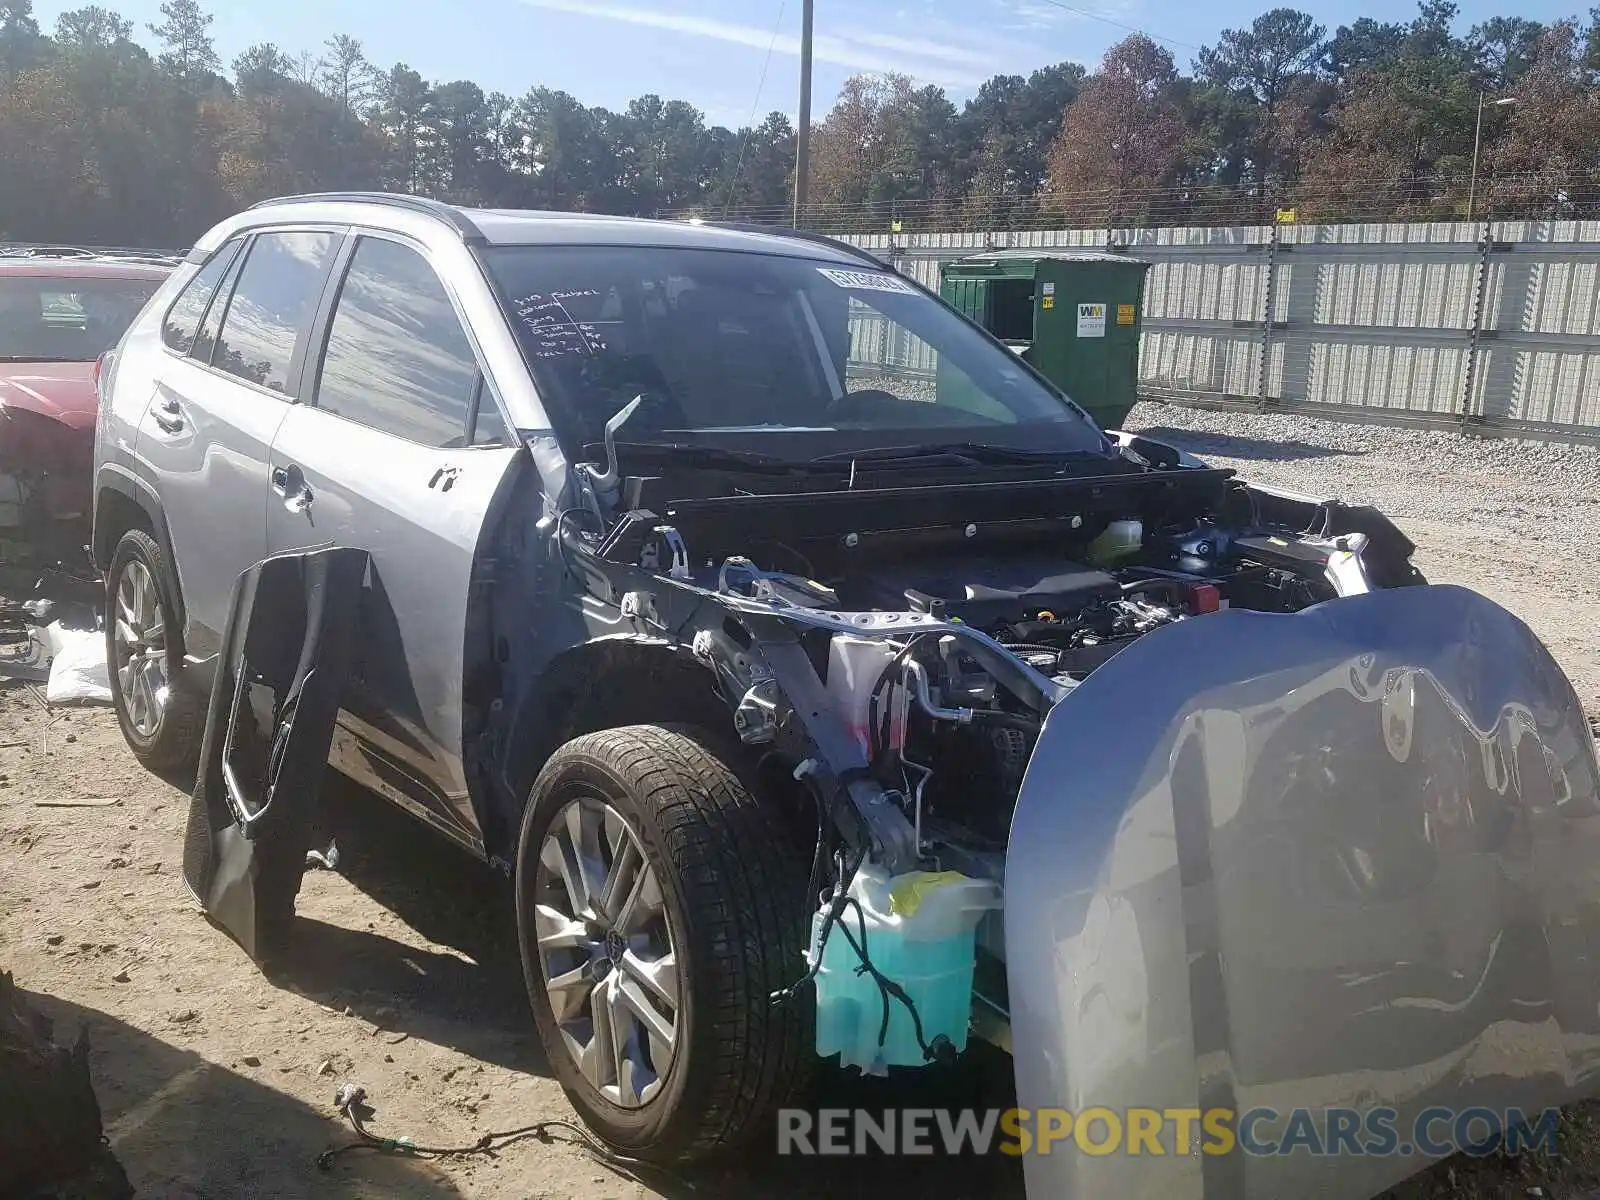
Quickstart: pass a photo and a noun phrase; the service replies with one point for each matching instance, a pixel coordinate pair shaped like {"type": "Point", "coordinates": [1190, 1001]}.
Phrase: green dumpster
{"type": "Point", "coordinates": [1072, 314]}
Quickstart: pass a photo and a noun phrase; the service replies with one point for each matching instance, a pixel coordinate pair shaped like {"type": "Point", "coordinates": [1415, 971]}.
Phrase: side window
{"type": "Point", "coordinates": [488, 426]}
{"type": "Point", "coordinates": [205, 342]}
{"type": "Point", "coordinates": [271, 305]}
{"type": "Point", "coordinates": [183, 318]}
{"type": "Point", "coordinates": [397, 358]}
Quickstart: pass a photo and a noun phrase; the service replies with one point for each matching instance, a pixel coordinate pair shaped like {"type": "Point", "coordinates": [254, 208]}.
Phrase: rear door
{"type": "Point", "coordinates": [236, 338]}
{"type": "Point", "coordinates": [400, 452]}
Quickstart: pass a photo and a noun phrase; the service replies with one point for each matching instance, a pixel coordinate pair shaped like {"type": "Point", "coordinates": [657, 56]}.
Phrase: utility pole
{"type": "Point", "coordinates": [1477, 141]}
{"type": "Point", "coordinates": [802, 141]}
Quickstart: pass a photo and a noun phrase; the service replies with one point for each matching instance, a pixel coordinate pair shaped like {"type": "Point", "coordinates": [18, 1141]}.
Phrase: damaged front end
{"type": "Point", "coordinates": [1214, 816]}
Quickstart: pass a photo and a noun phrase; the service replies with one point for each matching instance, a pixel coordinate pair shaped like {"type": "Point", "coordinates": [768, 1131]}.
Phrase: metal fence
{"type": "Point", "coordinates": [1494, 327]}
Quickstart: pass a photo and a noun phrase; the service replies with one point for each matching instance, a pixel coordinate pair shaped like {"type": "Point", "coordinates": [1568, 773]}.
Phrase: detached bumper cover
{"type": "Point", "coordinates": [274, 700]}
{"type": "Point", "coordinates": [1349, 857]}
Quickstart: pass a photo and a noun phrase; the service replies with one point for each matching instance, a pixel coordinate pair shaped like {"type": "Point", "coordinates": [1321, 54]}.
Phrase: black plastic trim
{"type": "Point", "coordinates": [898, 510]}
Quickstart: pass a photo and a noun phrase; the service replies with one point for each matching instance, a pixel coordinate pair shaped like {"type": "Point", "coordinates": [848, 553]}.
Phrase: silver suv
{"type": "Point", "coordinates": [719, 586]}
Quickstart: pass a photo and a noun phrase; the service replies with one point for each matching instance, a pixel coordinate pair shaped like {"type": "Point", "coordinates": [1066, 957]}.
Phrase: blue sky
{"type": "Point", "coordinates": [711, 52]}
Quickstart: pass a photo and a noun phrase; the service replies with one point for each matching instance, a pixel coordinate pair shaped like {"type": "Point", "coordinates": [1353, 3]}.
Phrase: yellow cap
{"type": "Point", "coordinates": [909, 891]}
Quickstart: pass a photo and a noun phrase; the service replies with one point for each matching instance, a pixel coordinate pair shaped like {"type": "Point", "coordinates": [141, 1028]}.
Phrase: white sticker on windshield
{"type": "Point", "coordinates": [868, 281]}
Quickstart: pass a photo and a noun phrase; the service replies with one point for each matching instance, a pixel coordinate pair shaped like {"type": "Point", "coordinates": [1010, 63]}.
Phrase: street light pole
{"type": "Point", "coordinates": [802, 141]}
{"type": "Point", "coordinates": [1477, 143]}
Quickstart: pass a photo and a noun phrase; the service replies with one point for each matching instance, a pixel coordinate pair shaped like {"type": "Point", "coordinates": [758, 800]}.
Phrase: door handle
{"type": "Point", "coordinates": [169, 415]}
{"type": "Point", "coordinates": [290, 485]}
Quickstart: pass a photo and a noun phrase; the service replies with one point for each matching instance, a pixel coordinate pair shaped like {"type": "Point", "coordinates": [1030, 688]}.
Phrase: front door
{"type": "Point", "coordinates": [400, 453]}
{"type": "Point", "coordinates": [237, 332]}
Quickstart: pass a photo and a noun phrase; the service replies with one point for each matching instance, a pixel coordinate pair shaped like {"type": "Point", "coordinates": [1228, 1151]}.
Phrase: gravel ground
{"type": "Point", "coordinates": [1516, 521]}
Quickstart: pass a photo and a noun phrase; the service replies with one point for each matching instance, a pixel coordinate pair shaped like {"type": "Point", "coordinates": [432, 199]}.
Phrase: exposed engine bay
{"type": "Point", "coordinates": [897, 648]}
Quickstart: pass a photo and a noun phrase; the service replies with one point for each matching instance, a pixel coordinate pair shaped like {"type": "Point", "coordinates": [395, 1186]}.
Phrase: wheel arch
{"type": "Point", "coordinates": [602, 684]}
{"type": "Point", "coordinates": [123, 502]}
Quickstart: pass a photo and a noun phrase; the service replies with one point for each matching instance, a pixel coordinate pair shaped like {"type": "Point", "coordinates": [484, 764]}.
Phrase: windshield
{"type": "Point", "coordinates": [784, 355]}
{"type": "Point", "coordinates": [44, 319]}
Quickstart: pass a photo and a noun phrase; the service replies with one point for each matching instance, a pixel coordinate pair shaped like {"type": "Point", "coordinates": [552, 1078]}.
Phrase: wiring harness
{"type": "Point", "coordinates": [351, 1102]}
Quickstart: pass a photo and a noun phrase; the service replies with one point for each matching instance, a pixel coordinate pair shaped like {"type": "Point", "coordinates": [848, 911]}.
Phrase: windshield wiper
{"type": "Point", "coordinates": [690, 454]}
{"type": "Point", "coordinates": [972, 452]}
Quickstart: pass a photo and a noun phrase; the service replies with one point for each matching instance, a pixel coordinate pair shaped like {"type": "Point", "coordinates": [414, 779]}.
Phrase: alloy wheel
{"type": "Point", "coordinates": [140, 640]}
{"type": "Point", "coordinates": [606, 952]}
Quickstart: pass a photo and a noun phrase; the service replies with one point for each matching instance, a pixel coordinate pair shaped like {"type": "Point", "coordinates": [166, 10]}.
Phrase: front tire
{"type": "Point", "coordinates": [659, 906]}
{"type": "Point", "coordinates": [162, 718]}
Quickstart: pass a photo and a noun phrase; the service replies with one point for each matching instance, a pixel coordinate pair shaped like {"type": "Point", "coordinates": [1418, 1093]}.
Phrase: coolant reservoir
{"type": "Point", "coordinates": [920, 932]}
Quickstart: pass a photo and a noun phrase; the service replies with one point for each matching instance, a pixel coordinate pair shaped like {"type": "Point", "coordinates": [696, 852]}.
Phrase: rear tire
{"type": "Point", "coordinates": [170, 741]}
{"type": "Point", "coordinates": [732, 894]}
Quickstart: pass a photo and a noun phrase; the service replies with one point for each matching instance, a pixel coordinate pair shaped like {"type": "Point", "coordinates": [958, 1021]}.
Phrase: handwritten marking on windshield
{"type": "Point", "coordinates": [555, 333]}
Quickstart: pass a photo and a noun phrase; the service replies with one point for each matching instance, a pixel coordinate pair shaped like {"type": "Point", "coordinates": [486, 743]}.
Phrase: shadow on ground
{"type": "Point", "coordinates": [480, 1007]}
{"type": "Point", "coordinates": [1227, 445]}
{"type": "Point", "coordinates": [185, 1128]}
{"type": "Point", "coordinates": [983, 1079]}
{"type": "Point", "coordinates": [469, 997]}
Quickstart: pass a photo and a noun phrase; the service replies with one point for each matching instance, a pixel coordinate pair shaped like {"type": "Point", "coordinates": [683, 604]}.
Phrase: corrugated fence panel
{"type": "Point", "coordinates": [1205, 289]}
{"type": "Point", "coordinates": [1421, 379]}
{"type": "Point", "coordinates": [1413, 292]}
{"type": "Point", "coordinates": [1422, 319]}
{"type": "Point", "coordinates": [1191, 362]}
{"type": "Point", "coordinates": [1565, 298]}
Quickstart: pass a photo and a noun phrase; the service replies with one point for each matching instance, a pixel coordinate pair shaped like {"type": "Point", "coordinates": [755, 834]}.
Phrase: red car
{"type": "Point", "coordinates": [60, 311]}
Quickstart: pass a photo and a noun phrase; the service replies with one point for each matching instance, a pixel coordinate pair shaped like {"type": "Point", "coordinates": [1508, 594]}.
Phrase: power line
{"type": "Point", "coordinates": [749, 125]}
{"type": "Point", "coordinates": [1094, 16]}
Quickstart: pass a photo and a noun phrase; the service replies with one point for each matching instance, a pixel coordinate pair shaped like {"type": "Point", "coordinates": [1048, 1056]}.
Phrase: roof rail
{"type": "Point", "coordinates": [58, 252]}
{"type": "Point", "coordinates": [419, 204]}
{"type": "Point", "coordinates": [93, 254]}
{"type": "Point", "coordinates": [786, 231]}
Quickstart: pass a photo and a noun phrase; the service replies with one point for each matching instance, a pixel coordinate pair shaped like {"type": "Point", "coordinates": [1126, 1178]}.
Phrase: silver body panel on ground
{"type": "Point", "coordinates": [1348, 857]}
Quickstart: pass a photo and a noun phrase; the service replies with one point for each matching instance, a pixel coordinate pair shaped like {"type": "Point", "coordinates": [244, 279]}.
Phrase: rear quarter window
{"type": "Point", "coordinates": [182, 322]}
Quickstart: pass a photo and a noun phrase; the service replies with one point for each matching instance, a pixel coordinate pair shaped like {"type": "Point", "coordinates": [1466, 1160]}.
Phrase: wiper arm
{"type": "Point", "coordinates": [690, 454]}
{"type": "Point", "coordinates": [976, 452]}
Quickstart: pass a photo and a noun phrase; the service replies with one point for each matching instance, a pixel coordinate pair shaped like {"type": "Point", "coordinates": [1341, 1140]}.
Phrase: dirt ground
{"type": "Point", "coordinates": [218, 1082]}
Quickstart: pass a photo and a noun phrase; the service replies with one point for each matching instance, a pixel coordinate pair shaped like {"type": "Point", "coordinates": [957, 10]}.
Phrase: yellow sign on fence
{"type": "Point", "coordinates": [1288, 216]}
